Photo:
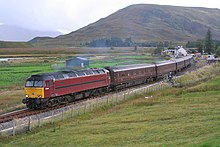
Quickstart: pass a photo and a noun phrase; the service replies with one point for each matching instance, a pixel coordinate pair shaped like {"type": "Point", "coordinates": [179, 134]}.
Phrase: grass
{"type": "Point", "coordinates": [201, 74]}
{"type": "Point", "coordinates": [173, 117]}
{"type": "Point", "coordinates": [15, 74]}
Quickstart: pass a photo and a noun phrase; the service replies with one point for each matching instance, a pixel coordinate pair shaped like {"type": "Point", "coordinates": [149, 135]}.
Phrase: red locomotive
{"type": "Point", "coordinates": [49, 89]}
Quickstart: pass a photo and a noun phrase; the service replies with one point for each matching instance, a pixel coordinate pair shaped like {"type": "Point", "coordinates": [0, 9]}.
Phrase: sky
{"type": "Point", "coordinates": [69, 15]}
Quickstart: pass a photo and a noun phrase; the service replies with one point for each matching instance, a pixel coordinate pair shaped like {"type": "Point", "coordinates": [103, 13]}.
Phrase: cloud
{"type": "Point", "coordinates": [70, 15]}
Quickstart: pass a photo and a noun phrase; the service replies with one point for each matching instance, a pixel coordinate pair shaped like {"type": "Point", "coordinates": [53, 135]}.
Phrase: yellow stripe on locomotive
{"type": "Point", "coordinates": [33, 92]}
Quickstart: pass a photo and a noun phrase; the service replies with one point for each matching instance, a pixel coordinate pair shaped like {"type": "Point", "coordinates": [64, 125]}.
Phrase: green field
{"type": "Point", "coordinates": [16, 74]}
{"type": "Point", "coordinates": [185, 116]}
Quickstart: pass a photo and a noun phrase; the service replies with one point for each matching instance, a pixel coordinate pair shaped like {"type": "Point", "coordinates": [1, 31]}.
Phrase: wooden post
{"type": "Point", "coordinates": [13, 131]}
{"type": "Point", "coordinates": [29, 123]}
{"type": "Point", "coordinates": [38, 118]}
{"type": "Point", "coordinates": [97, 103]}
{"type": "Point", "coordinates": [112, 99]}
{"type": "Point", "coordinates": [72, 111]}
{"type": "Point", "coordinates": [78, 110]}
{"type": "Point", "coordinates": [85, 108]}
{"type": "Point", "coordinates": [62, 114]}
{"type": "Point", "coordinates": [52, 117]}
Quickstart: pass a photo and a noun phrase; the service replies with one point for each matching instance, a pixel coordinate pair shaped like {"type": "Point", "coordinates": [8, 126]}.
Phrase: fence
{"type": "Point", "coordinates": [28, 123]}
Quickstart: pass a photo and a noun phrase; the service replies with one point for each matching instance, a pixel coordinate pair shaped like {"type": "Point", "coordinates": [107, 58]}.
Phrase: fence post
{"type": "Point", "coordinates": [116, 98]}
{"type": "Point", "coordinates": [62, 114]}
{"type": "Point", "coordinates": [78, 110]}
{"type": "Point", "coordinates": [38, 118]}
{"type": "Point", "coordinates": [107, 100]}
{"type": "Point", "coordinates": [85, 108]}
{"type": "Point", "coordinates": [13, 131]}
{"type": "Point", "coordinates": [52, 116]}
{"type": "Point", "coordinates": [29, 123]}
{"type": "Point", "coordinates": [89, 107]}
{"type": "Point", "coordinates": [97, 103]}
{"type": "Point", "coordinates": [72, 111]}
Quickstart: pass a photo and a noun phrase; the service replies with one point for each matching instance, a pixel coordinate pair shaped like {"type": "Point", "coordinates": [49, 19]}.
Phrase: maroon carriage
{"type": "Point", "coordinates": [164, 68]}
{"type": "Point", "coordinates": [129, 75]}
{"type": "Point", "coordinates": [180, 64]}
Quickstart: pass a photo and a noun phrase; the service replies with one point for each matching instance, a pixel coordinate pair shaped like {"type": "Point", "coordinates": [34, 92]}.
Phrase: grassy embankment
{"type": "Point", "coordinates": [187, 116]}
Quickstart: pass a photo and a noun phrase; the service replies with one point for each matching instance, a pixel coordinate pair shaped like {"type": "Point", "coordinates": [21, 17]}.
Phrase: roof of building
{"type": "Point", "coordinates": [80, 58]}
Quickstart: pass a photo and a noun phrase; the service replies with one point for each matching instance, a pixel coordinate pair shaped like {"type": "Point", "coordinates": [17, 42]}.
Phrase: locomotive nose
{"type": "Point", "coordinates": [34, 92]}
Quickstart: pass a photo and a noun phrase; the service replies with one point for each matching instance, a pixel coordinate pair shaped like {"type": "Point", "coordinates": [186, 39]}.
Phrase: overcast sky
{"type": "Point", "coordinates": [70, 15]}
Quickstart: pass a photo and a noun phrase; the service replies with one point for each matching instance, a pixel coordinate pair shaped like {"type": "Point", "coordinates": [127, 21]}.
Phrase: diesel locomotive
{"type": "Point", "coordinates": [50, 89]}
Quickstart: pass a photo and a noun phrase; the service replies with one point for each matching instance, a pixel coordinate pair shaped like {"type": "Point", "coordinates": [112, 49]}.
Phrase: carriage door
{"type": "Point", "coordinates": [49, 89]}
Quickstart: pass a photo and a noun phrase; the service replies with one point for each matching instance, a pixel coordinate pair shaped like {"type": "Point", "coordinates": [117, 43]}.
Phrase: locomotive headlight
{"type": "Point", "coordinates": [26, 96]}
{"type": "Point", "coordinates": [39, 96]}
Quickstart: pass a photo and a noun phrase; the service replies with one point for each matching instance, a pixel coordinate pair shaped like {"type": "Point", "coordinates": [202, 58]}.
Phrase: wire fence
{"type": "Point", "coordinates": [35, 121]}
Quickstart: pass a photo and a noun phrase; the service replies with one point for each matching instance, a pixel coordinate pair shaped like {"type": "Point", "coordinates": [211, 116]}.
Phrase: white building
{"type": "Point", "coordinates": [181, 52]}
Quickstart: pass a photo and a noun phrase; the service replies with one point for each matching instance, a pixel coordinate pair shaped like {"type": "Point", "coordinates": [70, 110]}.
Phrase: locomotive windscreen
{"type": "Point", "coordinates": [34, 84]}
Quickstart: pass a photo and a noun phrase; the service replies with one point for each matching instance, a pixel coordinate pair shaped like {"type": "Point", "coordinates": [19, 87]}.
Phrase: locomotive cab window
{"type": "Point", "coordinates": [38, 83]}
{"type": "Point", "coordinates": [34, 84]}
{"type": "Point", "coordinates": [29, 84]}
{"type": "Point", "coordinates": [47, 83]}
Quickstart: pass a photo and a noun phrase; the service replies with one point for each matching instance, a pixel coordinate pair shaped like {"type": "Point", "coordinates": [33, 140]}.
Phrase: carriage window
{"type": "Point", "coordinates": [101, 72]}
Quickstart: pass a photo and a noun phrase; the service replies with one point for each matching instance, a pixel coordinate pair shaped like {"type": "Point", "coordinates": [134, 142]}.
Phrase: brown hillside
{"type": "Point", "coordinates": [145, 23]}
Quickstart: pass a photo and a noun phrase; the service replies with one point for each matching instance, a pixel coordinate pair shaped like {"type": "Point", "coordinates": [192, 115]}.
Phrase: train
{"type": "Point", "coordinates": [51, 89]}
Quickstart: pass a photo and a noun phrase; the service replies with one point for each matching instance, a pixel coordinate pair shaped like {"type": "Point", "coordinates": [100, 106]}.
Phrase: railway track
{"type": "Point", "coordinates": [6, 117]}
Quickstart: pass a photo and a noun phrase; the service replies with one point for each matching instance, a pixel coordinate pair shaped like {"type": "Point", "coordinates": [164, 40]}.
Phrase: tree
{"type": "Point", "coordinates": [159, 49]}
{"type": "Point", "coordinates": [209, 42]}
{"type": "Point", "coordinates": [218, 51]}
{"type": "Point", "coordinates": [200, 46]}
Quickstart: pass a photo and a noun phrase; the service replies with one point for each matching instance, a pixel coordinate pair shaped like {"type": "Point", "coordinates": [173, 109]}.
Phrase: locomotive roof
{"type": "Point", "coordinates": [129, 67]}
{"type": "Point", "coordinates": [67, 74]}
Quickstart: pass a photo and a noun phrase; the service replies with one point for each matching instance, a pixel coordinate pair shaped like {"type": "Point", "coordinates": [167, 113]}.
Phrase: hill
{"type": "Point", "coordinates": [15, 33]}
{"type": "Point", "coordinates": [144, 23]}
